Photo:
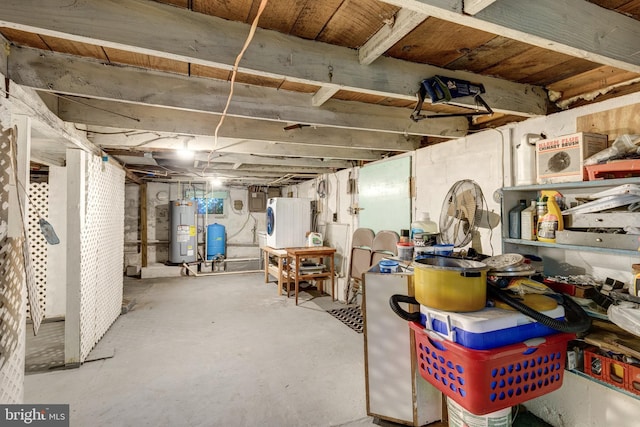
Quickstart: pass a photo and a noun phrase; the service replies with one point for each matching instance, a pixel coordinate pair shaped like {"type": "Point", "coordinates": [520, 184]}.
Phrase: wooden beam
{"type": "Point", "coordinates": [222, 163]}
{"type": "Point", "coordinates": [472, 7]}
{"type": "Point", "coordinates": [573, 27]}
{"type": "Point", "coordinates": [119, 115]}
{"type": "Point", "coordinates": [323, 95]}
{"type": "Point", "coordinates": [247, 159]}
{"type": "Point", "coordinates": [214, 42]}
{"type": "Point", "coordinates": [45, 159]}
{"type": "Point", "coordinates": [245, 146]}
{"type": "Point", "coordinates": [205, 171]}
{"type": "Point", "coordinates": [30, 104]}
{"type": "Point", "coordinates": [404, 22]}
{"type": "Point", "coordinates": [50, 72]}
{"type": "Point", "coordinates": [143, 225]}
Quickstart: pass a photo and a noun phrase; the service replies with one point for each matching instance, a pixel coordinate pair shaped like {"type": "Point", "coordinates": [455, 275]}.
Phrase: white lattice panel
{"type": "Point", "coordinates": [101, 252]}
{"type": "Point", "coordinates": [12, 297]}
{"type": "Point", "coordinates": [12, 321]}
{"type": "Point", "coordinates": [39, 198]}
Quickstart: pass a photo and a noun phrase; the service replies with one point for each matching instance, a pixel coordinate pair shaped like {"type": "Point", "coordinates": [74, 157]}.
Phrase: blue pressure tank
{"type": "Point", "coordinates": [216, 241]}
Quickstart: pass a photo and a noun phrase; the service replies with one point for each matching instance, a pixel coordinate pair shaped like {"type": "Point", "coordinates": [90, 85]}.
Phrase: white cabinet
{"type": "Point", "coordinates": [395, 390]}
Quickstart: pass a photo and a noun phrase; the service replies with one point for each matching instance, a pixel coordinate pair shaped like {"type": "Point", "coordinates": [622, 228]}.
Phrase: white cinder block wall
{"type": "Point", "coordinates": [241, 226]}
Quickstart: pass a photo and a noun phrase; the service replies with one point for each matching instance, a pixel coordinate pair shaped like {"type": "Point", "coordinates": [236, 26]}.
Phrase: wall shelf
{"type": "Point", "coordinates": [571, 185]}
{"type": "Point", "coordinates": [572, 191]}
{"type": "Point", "coordinates": [626, 252]}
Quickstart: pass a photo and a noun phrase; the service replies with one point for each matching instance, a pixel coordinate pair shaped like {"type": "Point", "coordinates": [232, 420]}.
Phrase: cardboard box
{"type": "Point", "coordinates": [561, 159]}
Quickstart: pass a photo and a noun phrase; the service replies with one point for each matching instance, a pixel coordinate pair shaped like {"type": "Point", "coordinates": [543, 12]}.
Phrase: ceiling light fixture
{"type": "Point", "coordinates": [184, 152]}
{"type": "Point", "coordinates": [215, 182]}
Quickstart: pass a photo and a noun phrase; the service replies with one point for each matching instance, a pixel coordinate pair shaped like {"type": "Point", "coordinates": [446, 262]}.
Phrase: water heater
{"type": "Point", "coordinates": [182, 231]}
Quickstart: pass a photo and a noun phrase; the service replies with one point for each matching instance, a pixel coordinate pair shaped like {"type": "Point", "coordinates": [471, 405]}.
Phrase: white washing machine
{"type": "Point", "coordinates": [288, 221]}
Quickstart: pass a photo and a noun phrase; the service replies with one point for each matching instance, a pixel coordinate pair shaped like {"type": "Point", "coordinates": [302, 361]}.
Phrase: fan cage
{"type": "Point", "coordinates": [461, 213]}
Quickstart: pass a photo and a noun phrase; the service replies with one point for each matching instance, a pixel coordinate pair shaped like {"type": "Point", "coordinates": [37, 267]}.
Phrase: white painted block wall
{"type": "Point", "coordinates": [241, 226]}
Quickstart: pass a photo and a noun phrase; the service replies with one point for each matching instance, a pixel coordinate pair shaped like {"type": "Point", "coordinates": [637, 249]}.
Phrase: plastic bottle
{"type": "Point", "coordinates": [551, 222]}
{"type": "Point", "coordinates": [514, 219]}
{"type": "Point", "coordinates": [424, 231]}
{"type": "Point", "coordinates": [528, 222]}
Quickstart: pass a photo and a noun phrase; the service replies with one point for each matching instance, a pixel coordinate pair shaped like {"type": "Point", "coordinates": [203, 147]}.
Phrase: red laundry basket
{"type": "Point", "coordinates": [485, 381]}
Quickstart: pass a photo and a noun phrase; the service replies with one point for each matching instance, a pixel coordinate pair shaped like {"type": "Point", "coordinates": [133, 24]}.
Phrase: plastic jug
{"type": "Point", "coordinates": [551, 222]}
{"type": "Point", "coordinates": [515, 225]}
{"type": "Point", "coordinates": [314, 239]}
{"type": "Point", "coordinates": [528, 222]}
{"type": "Point", "coordinates": [424, 231]}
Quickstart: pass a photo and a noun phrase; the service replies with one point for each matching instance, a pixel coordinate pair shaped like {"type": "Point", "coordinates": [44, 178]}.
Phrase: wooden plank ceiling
{"type": "Point", "coordinates": [436, 41]}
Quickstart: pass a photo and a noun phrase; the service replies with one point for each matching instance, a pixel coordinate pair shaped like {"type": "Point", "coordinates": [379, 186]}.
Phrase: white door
{"type": "Point", "coordinates": [384, 195]}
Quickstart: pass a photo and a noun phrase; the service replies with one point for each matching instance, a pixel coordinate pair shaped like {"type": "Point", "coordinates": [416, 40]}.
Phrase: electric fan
{"type": "Point", "coordinates": [461, 213]}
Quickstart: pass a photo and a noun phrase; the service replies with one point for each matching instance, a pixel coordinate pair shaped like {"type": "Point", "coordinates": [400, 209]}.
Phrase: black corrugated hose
{"type": "Point", "coordinates": [577, 319]}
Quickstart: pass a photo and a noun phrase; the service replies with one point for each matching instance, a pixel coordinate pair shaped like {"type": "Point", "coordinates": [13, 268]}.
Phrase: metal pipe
{"type": "Point", "coordinates": [195, 273]}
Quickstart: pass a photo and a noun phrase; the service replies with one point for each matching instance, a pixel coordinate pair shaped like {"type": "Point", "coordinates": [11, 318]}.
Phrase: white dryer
{"type": "Point", "coordinates": [288, 221]}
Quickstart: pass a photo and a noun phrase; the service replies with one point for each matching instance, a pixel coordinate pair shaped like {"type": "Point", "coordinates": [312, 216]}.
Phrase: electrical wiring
{"type": "Point", "coordinates": [234, 73]}
{"type": "Point", "coordinates": [96, 108]}
{"type": "Point", "coordinates": [242, 227]}
{"type": "Point", "coordinates": [321, 188]}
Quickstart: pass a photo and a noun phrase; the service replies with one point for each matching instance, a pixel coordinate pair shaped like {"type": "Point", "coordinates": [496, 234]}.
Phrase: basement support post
{"type": "Point", "coordinates": [76, 172]}
{"type": "Point", "coordinates": [143, 225]}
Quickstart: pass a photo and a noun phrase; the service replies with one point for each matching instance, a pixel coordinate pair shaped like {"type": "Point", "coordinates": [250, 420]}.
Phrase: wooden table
{"type": "Point", "coordinates": [293, 267]}
{"type": "Point", "coordinates": [276, 270]}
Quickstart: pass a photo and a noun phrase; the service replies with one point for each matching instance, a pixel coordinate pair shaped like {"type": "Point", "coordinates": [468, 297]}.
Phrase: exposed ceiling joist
{"type": "Point", "coordinates": [230, 145]}
{"type": "Point", "coordinates": [403, 23]}
{"type": "Point", "coordinates": [54, 72]}
{"type": "Point", "coordinates": [323, 95]}
{"type": "Point", "coordinates": [248, 161]}
{"type": "Point", "coordinates": [285, 162]}
{"type": "Point", "coordinates": [45, 158]}
{"type": "Point", "coordinates": [215, 42]}
{"type": "Point", "coordinates": [29, 103]}
{"type": "Point", "coordinates": [565, 26]}
{"type": "Point", "coordinates": [117, 115]}
{"type": "Point", "coordinates": [472, 7]}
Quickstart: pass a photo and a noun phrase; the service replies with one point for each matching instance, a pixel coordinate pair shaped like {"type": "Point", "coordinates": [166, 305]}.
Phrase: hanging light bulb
{"type": "Point", "coordinates": [184, 152]}
{"type": "Point", "coordinates": [215, 182]}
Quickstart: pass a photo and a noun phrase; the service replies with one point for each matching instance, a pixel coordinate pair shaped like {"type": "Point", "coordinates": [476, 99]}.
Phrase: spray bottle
{"type": "Point", "coordinates": [551, 222]}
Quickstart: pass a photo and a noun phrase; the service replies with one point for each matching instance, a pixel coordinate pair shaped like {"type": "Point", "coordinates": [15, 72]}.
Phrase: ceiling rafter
{"type": "Point", "coordinates": [52, 72]}
{"type": "Point", "coordinates": [323, 95]}
{"type": "Point", "coordinates": [197, 39]}
{"type": "Point", "coordinates": [231, 145]}
{"type": "Point", "coordinates": [472, 7]}
{"type": "Point", "coordinates": [404, 22]}
{"type": "Point", "coordinates": [116, 114]}
{"type": "Point", "coordinates": [248, 159]}
{"type": "Point", "coordinates": [573, 27]}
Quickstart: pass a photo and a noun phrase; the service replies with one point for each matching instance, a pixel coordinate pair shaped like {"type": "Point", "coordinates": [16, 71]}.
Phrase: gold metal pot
{"type": "Point", "coordinates": [450, 284]}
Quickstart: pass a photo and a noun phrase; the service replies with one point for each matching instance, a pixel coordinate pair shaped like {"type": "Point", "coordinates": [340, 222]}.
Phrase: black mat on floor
{"type": "Point", "coordinates": [350, 316]}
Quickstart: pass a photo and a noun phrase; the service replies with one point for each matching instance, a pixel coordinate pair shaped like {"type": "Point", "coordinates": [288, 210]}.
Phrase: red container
{"type": "Point", "coordinates": [634, 379]}
{"type": "Point", "coordinates": [605, 368]}
{"type": "Point", "coordinates": [485, 381]}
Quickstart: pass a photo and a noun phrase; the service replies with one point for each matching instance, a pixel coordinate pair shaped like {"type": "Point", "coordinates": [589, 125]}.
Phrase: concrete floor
{"type": "Point", "coordinates": [212, 351]}
{"type": "Point", "coordinates": [216, 351]}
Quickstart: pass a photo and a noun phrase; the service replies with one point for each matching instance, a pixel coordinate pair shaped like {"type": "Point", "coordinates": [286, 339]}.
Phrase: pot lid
{"type": "Point", "coordinates": [504, 262]}
{"type": "Point", "coordinates": [450, 263]}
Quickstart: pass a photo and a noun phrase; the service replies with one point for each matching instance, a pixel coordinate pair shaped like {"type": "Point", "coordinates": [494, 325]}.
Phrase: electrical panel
{"type": "Point", "coordinates": [257, 201]}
